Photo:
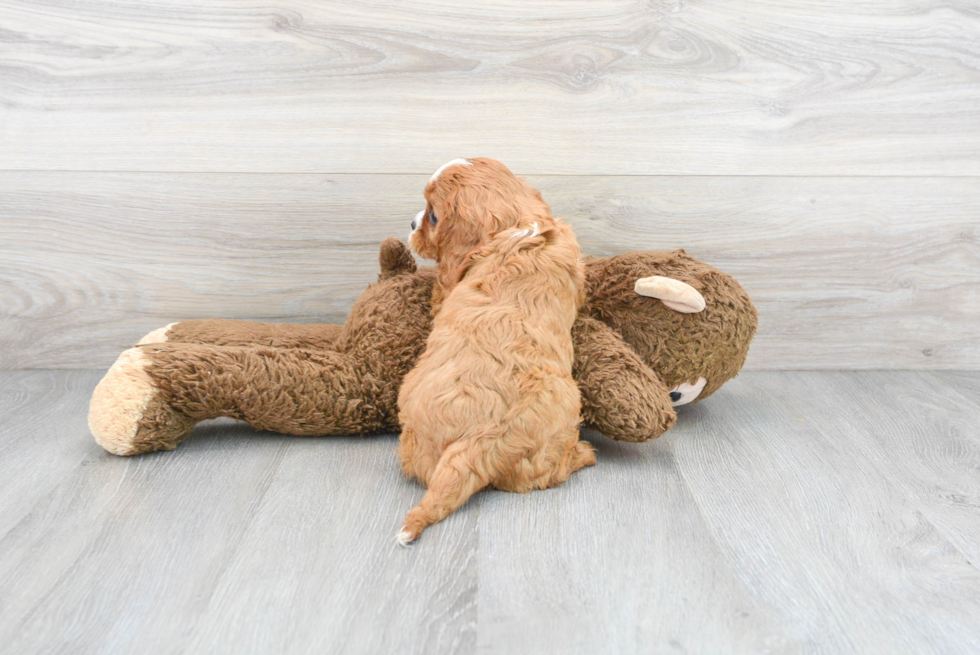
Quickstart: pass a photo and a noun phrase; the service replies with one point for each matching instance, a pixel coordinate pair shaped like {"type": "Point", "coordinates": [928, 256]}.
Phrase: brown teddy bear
{"type": "Point", "coordinates": [658, 329]}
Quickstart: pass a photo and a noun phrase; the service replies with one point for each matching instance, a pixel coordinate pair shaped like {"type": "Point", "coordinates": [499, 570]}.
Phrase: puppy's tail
{"type": "Point", "coordinates": [452, 482]}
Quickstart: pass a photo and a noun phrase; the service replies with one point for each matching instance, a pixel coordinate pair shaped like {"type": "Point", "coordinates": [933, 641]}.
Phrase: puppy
{"type": "Point", "coordinates": [492, 401]}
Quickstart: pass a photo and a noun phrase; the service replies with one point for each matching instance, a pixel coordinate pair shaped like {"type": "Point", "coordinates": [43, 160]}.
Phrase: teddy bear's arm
{"type": "Point", "coordinates": [228, 332]}
{"type": "Point", "coordinates": [621, 396]}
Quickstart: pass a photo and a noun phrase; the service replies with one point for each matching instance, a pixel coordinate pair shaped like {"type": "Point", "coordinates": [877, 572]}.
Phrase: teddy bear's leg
{"type": "Point", "coordinates": [229, 332]}
{"type": "Point", "coordinates": [154, 394]}
{"type": "Point", "coordinates": [394, 258]}
{"type": "Point", "coordinates": [621, 396]}
{"type": "Point", "coordinates": [128, 414]}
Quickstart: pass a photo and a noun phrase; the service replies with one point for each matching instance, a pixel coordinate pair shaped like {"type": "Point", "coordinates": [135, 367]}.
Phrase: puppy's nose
{"type": "Point", "coordinates": [414, 225]}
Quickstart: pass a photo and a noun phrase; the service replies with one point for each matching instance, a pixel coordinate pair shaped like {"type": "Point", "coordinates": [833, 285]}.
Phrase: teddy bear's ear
{"type": "Point", "coordinates": [395, 259]}
{"type": "Point", "coordinates": [679, 296]}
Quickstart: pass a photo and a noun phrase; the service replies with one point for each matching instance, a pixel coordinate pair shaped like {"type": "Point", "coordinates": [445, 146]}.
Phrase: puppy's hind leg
{"type": "Point", "coordinates": [451, 484]}
{"type": "Point", "coordinates": [577, 455]}
{"type": "Point", "coordinates": [418, 462]}
{"type": "Point", "coordinates": [581, 455]}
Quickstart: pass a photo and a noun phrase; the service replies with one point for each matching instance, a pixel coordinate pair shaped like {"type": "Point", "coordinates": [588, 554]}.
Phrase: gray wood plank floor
{"type": "Point", "coordinates": [817, 512]}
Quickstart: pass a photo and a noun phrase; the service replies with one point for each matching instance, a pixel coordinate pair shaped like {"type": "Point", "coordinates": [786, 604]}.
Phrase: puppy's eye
{"type": "Point", "coordinates": [432, 217]}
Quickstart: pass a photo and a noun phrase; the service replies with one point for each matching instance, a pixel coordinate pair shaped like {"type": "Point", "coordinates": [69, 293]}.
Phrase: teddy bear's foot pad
{"type": "Point", "coordinates": [158, 335]}
{"type": "Point", "coordinates": [127, 415]}
{"type": "Point", "coordinates": [687, 392]}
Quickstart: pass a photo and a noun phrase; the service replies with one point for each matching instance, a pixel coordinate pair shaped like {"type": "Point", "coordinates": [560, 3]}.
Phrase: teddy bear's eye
{"type": "Point", "coordinates": [432, 217]}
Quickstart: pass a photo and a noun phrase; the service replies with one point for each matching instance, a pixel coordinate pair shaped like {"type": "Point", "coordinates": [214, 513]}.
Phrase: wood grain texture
{"type": "Point", "coordinates": [846, 272]}
{"type": "Point", "coordinates": [253, 543]}
{"type": "Point", "coordinates": [811, 512]}
{"type": "Point", "coordinates": [576, 87]}
{"type": "Point", "coordinates": [763, 522]}
{"type": "Point", "coordinates": [935, 462]}
{"type": "Point", "coordinates": [617, 560]}
{"type": "Point", "coordinates": [43, 416]}
{"type": "Point", "coordinates": [794, 444]}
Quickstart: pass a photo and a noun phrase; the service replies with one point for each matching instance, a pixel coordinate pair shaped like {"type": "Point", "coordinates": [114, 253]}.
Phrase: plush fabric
{"type": "Point", "coordinates": [318, 380]}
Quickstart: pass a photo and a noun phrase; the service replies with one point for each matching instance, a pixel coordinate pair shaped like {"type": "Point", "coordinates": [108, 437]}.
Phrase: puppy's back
{"type": "Point", "coordinates": [536, 270]}
{"type": "Point", "coordinates": [492, 400]}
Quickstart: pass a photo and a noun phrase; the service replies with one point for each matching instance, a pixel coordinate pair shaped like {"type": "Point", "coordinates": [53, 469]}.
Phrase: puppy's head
{"type": "Point", "coordinates": [467, 202]}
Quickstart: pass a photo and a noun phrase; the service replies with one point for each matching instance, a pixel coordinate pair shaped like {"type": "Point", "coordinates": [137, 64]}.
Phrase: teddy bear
{"type": "Point", "coordinates": [658, 329]}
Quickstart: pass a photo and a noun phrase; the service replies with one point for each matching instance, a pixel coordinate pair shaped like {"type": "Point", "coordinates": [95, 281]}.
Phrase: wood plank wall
{"type": "Point", "coordinates": [180, 159]}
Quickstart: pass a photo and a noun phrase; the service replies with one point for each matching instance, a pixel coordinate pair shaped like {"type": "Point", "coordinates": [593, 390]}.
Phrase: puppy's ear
{"type": "Point", "coordinates": [479, 211]}
{"type": "Point", "coordinates": [468, 216]}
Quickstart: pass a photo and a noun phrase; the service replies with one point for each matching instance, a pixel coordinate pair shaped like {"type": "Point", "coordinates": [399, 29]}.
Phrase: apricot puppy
{"type": "Point", "coordinates": [492, 401]}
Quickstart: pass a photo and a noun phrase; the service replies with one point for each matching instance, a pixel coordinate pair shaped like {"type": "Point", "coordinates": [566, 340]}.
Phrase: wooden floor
{"type": "Point", "coordinates": [817, 512]}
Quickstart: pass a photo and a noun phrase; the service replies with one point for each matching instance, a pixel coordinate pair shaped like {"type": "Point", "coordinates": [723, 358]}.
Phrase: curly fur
{"type": "Point", "coordinates": [492, 400]}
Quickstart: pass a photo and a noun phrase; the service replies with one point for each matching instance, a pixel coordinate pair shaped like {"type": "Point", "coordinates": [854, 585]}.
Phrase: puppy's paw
{"type": "Point", "coordinates": [127, 415]}
{"type": "Point", "coordinates": [411, 528]}
{"type": "Point", "coordinates": [404, 538]}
